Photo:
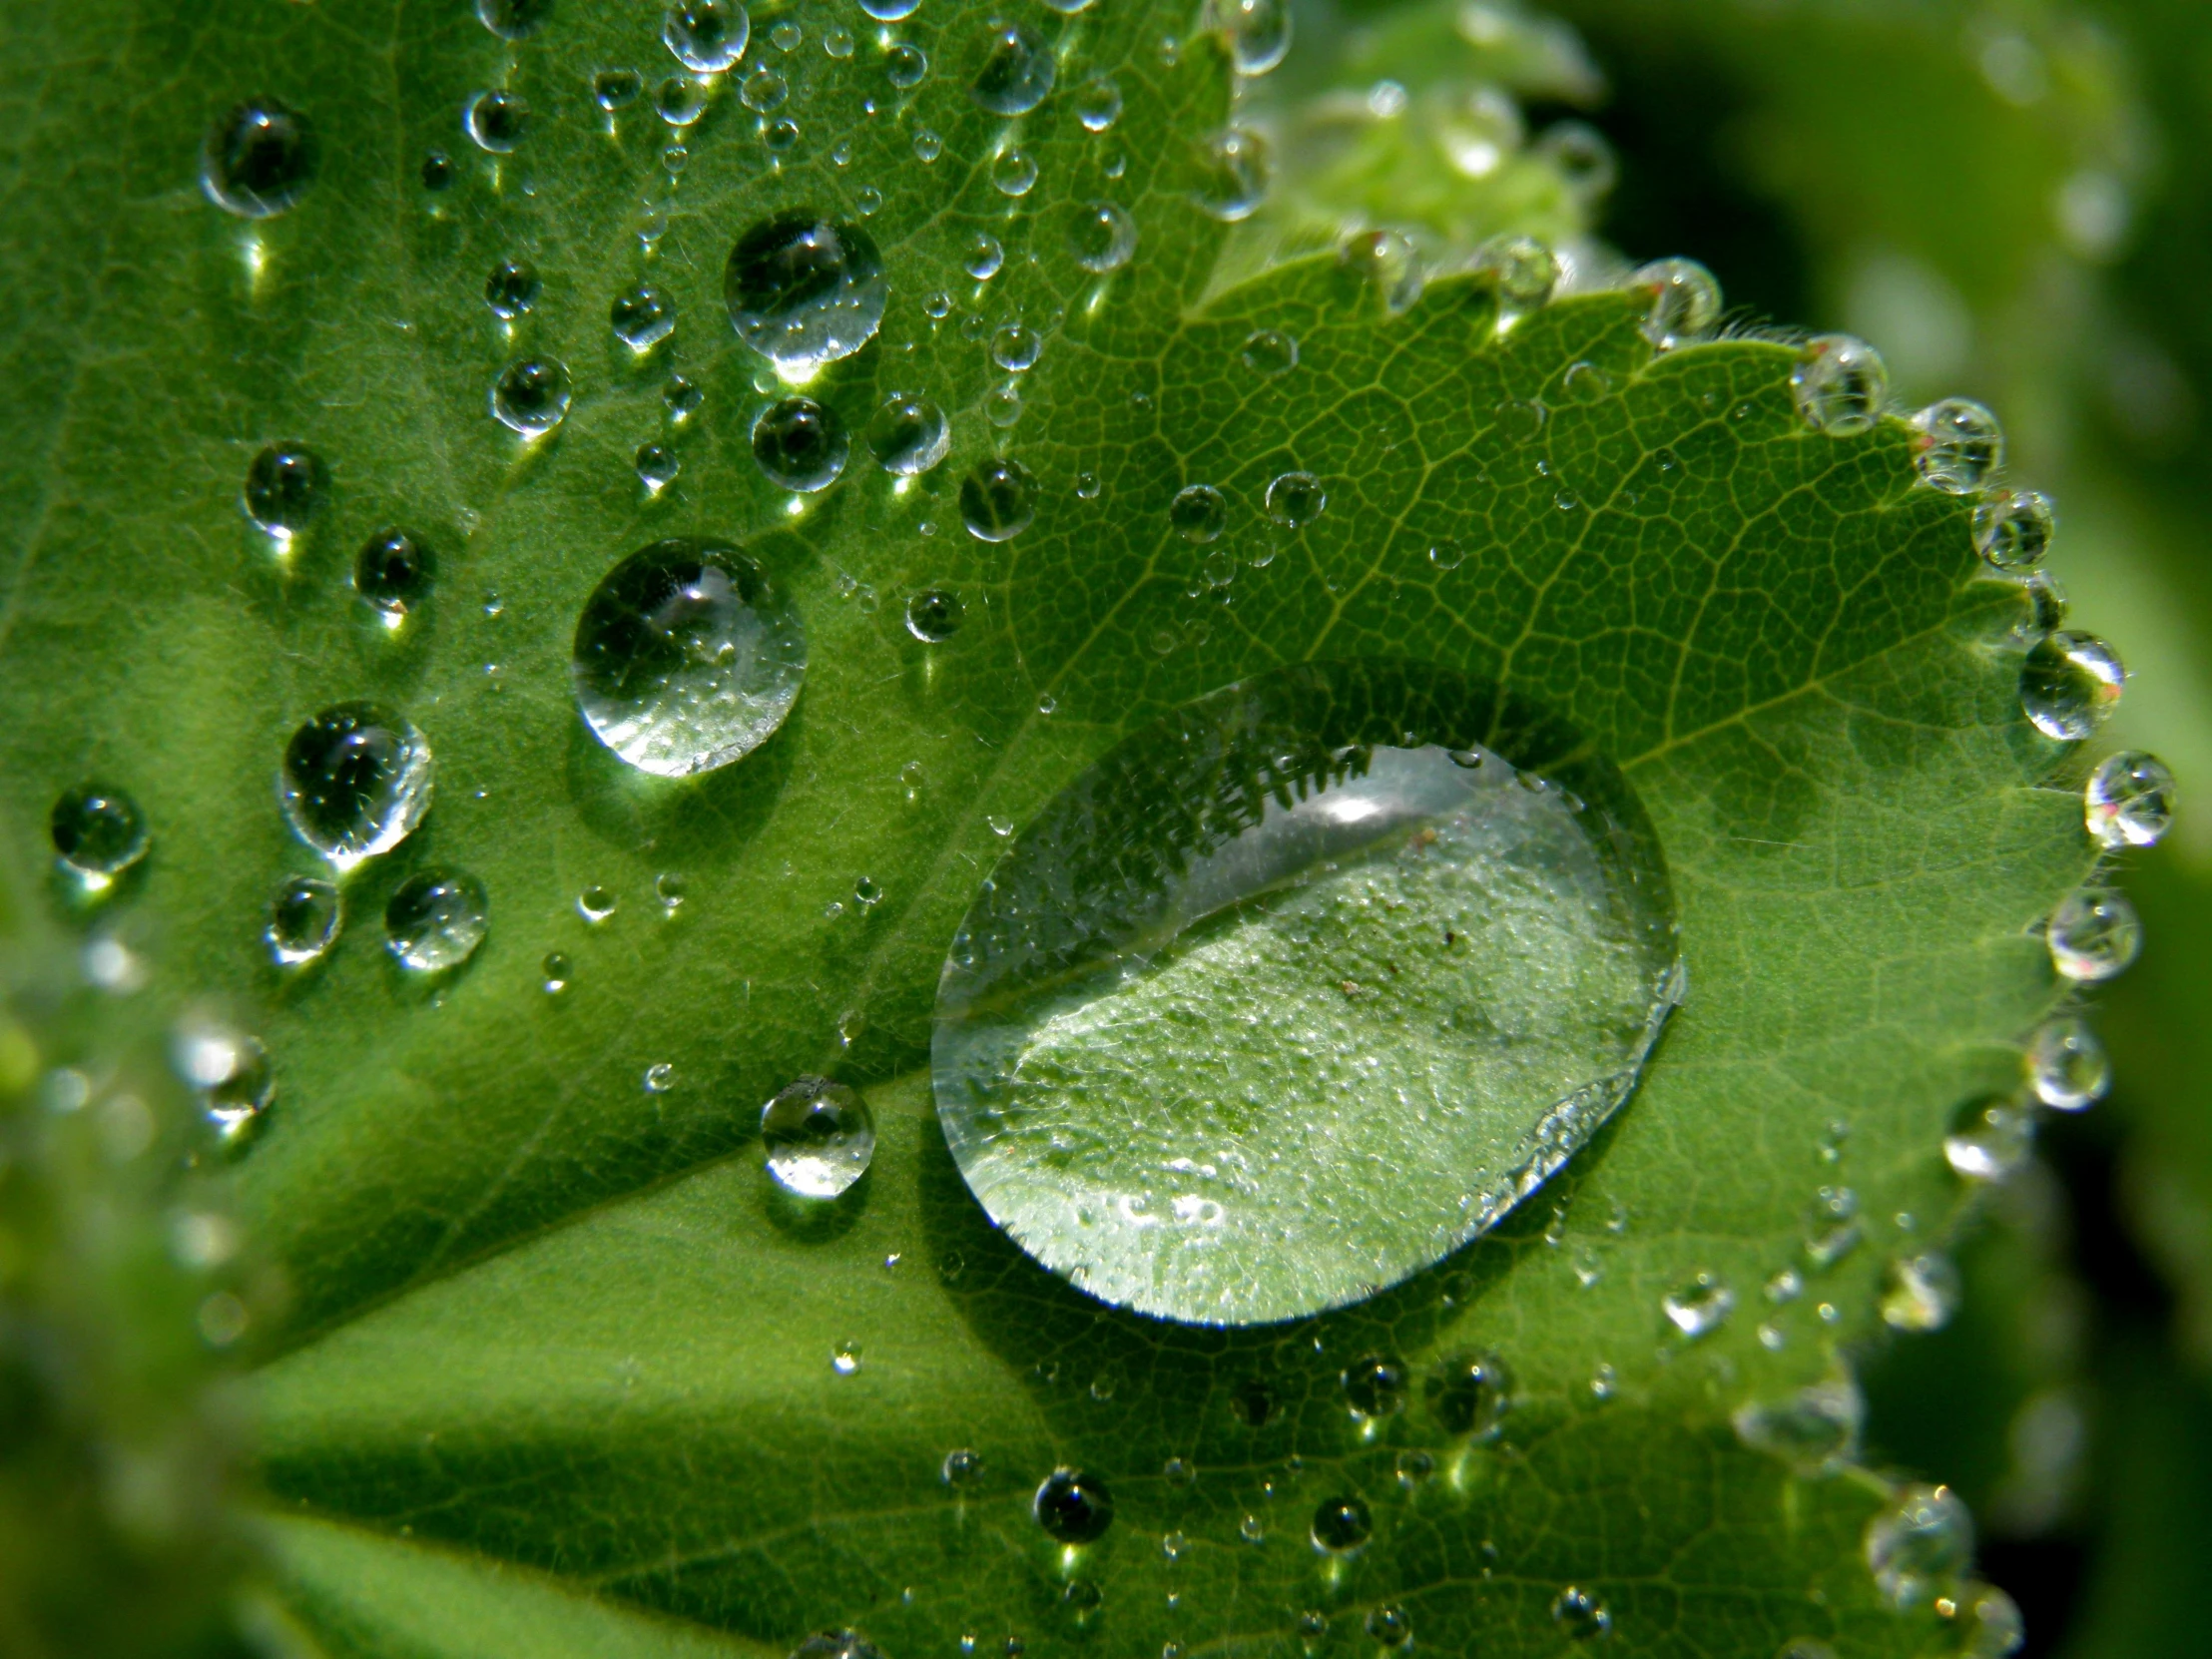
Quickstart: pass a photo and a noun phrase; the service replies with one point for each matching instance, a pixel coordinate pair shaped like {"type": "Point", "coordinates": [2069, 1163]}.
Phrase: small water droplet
{"type": "Point", "coordinates": [2129, 800]}
{"type": "Point", "coordinates": [933, 615]}
{"type": "Point", "coordinates": [437, 169]}
{"type": "Point", "coordinates": [1375, 1385]}
{"type": "Point", "coordinates": [1919, 1292]}
{"type": "Point", "coordinates": [1917, 1547]}
{"type": "Point", "coordinates": [681, 101]}
{"type": "Point", "coordinates": [1581, 156]}
{"type": "Point", "coordinates": [393, 571]}
{"type": "Point", "coordinates": [257, 158]}
{"type": "Point", "coordinates": [1840, 385]}
{"type": "Point", "coordinates": [906, 65]}
{"type": "Point", "coordinates": [1990, 1626]}
{"type": "Point", "coordinates": [1102, 236]}
{"type": "Point", "coordinates": [1234, 170]}
{"type": "Point", "coordinates": [1685, 301]}
{"type": "Point", "coordinates": [1015, 346]}
{"type": "Point", "coordinates": [938, 306]}
{"type": "Point", "coordinates": [2068, 1067]}
{"type": "Point", "coordinates": [657, 466]}
{"type": "Point", "coordinates": [1447, 554]}
{"type": "Point", "coordinates": [1341, 1524]}
{"type": "Point", "coordinates": [596, 903]}
{"type": "Point", "coordinates": [1698, 1307]}
{"type": "Point", "coordinates": [1521, 270]}
{"type": "Point", "coordinates": [1098, 103]}
{"type": "Point", "coordinates": [435, 919]}
{"type": "Point", "coordinates": [908, 435]}
{"type": "Point", "coordinates": [1073, 1507]}
{"type": "Point", "coordinates": [707, 36]}
{"type": "Point", "coordinates": [962, 1468]}
{"type": "Point", "coordinates": [2094, 936]}
{"type": "Point", "coordinates": [2069, 683]}
{"type": "Point", "coordinates": [497, 121]}
{"type": "Point", "coordinates": [557, 971]}
{"type": "Point", "coordinates": [1831, 1227]}
{"type": "Point", "coordinates": [227, 1070]}
{"type": "Point", "coordinates": [1014, 70]}
{"type": "Point", "coordinates": [819, 1137]}
{"type": "Point", "coordinates": [681, 399]}
{"type": "Point", "coordinates": [2013, 528]}
{"type": "Point", "coordinates": [532, 395]}
{"type": "Point", "coordinates": [355, 782]}
{"type": "Point", "coordinates": [1390, 266]}
{"type": "Point", "coordinates": [660, 1077]}
{"type": "Point", "coordinates": [764, 90]}
{"type": "Point", "coordinates": [927, 145]}
{"type": "Point", "coordinates": [642, 318]}
{"type": "Point", "coordinates": [617, 88]}
{"type": "Point", "coordinates": [1270, 352]}
{"type": "Point", "coordinates": [1989, 1139]}
{"type": "Point", "coordinates": [1959, 444]}
{"type": "Point", "coordinates": [804, 291]}
{"type": "Point", "coordinates": [1581, 1615]}
{"type": "Point", "coordinates": [303, 921]}
{"type": "Point", "coordinates": [1199, 513]}
{"type": "Point", "coordinates": [286, 485]}
{"type": "Point", "coordinates": [1470, 1394]}
{"type": "Point", "coordinates": [1002, 404]}
{"type": "Point", "coordinates": [998, 499]}
{"type": "Point", "coordinates": [844, 1359]}
{"type": "Point", "coordinates": [97, 830]}
{"type": "Point", "coordinates": [1296, 499]}
{"type": "Point", "coordinates": [799, 445]}
{"type": "Point", "coordinates": [1388, 1626]}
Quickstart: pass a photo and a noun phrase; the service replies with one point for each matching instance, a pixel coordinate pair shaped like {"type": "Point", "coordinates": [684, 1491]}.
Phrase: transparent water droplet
{"type": "Point", "coordinates": [1919, 1291]}
{"type": "Point", "coordinates": [97, 830]}
{"type": "Point", "coordinates": [303, 921]}
{"type": "Point", "coordinates": [1917, 1548]}
{"type": "Point", "coordinates": [1375, 1385]}
{"type": "Point", "coordinates": [1685, 301]}
{"type": "Point", "coordinates": [2094, 936]}
{"type": "Point", "coordinates": [707, 36]}
{"type": "Point", "coordinates": [642, 317]}
{"type": "Point", "coordinates": [1447, 554]}
{"type": "Point", "coordinates": [785, 36]}
{"type": "Point", "coordinates": [938, 306]}
{"type": "Point", "coordinates": [1698, 1307]}
{"type": "Point", "coordinates": [2129, 800]}
{"type": "Point", "coordinates": [1013, 171]}
{"type": "Point", "coordinates": [764, 90]}
{"type": "Point", "coordinates": [1258, 32]}
{"type": "Point", "coordinates": [1581, 1615]}
{"type": "Point", "coordinates": [1989, 1140]}
{"type": "Point", "coordinates": [687, 657]}
{"type": "Point", "coordinates": [2068, 1067]}
{"type": "Point", "coordinates": [393, 571]}
{"type": "Point", "coordinates": [617, 88]}
{"type": "Point", "coordinates": [1015, 346]}
{"type": "Point", "coordinates": [1234, 168]}
{"type": "Point", "coordinates": [1582, 158]}
{"type": "Point", "coordinates": [532, 395]}
{"type": "Point", "coordinates": [437, 169]}
{"type": "Point", "coordinates": [1390, 266]}
{"type": "Point", "coordinates": [2069, 683]}
{"type": "Point", "coordinates": [1013, 69]}
{"type": "Point", "coordinates": [1831, 1226]}
{"type": "Point", "coordinates": [1270, 352]}
{"type": "Point", "coordinates": [962, 1468]}
{"type": "Point", "coordinates": [1342, 1525]}
{"type": "Point", "coordinates": [1470, 1394]}
{"type": "Point", "coordinates": [805, 292]}
{"type": "Point", "coordinates": [1990, 1626]}
{"type": "Point", "coordinates": [355, 782]}
{"type": "Point", "coordinates": [984, 256]}
{"type": "Point", "coordinates": [2013, 528]}
{"type": "Point", "coordinates": [1958, 445]}
{"type": "Point", "coordinates": [1388, 1626]}
{"type": "Point", "coordinates": [836, 41]}
{"type": "Point", "coordinates": [286, 485]}
{"type": "Point", "coordinates": [908, 435]}
{"type": "Point", "coordinates": [927, 145]}
{"type": "Point", "coordinates": [660, 1077]}
{"type": "Point", "coordinates": [1296, 499]}
{"type": "Point", "coordinates": [657, 466]}
{"type": "Point", "coordinates": [512, 288]}
{"type": "Point", "coordinates": [681, 399]}
{"type": "Point", "coordinates": [557, 971]}
{"type": "Point", "coordinates": [1523, 270]}
{"type": "Point", "coordinates": [1253, 1531]}
{"type": "Point", "coordinates": [680, 101]}
{"type": "Point", "coordinates": [819, 1137]}
{"type": "Point", "coordinates": [435, 919]}
{"type": "Point", "coordinates": [229, 1073]}
{"type": "Point", "coordinates": [1840, 385]}
{"type": "Point", "coordinates": [497, 121]}
{"type": "Point", "coordinates": [933, 615]}
{"type": "Point", "coordinates": [799, 444]}
{"type": "Point", "coordinates": [1199, 513]}
{"type": "Point", "coordinates": [1098, 103]}
{"type": "Point", "coordinates": [844, 1359]}
{"type": "Point", "coordinates": [596, 903]}
{"type": "Point", "coordinates": [998, 499]}
{"type": "Point", "coordinates": [1073, 1507]}
{"type": "Point", "coordinates": [258, 159]}
{"type": "Point", "coordinates": [905, 66]}
{"type": "Point", "coordinates": [1102, 236]}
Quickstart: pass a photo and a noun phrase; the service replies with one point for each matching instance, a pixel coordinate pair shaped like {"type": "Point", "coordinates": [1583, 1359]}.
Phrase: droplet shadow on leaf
{"type": "Point", "coordinates": [815, 1219]}
{"type": "Point", "coordinates": [700, 822]}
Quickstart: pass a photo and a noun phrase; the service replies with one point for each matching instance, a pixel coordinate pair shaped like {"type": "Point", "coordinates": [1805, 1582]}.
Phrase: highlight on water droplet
{"type": "Point", "coordinates": [1840, 385]}
{"type": "Point", "coordinates": [1685, 301]}
{"type": "Point", "coordinates": [1013, 171]}
{"type": "Point", "coordinates": [908, 435]}
{"type": "Point", "coordinates": [1013, 69]}
{"type": "Point", "coordinates": [435, 919]}
{"type": "Point", "coordinates": [1581, 1615]}
{"type": "Point", "coordinates": [393, 572]}
{"type": "Point", "coordinates": [2069, 683]}
{"type": "Point", "coordinates": [799, 444]}
{"type": "Point", "coordinates": [1199, 513]}
{"type": "Point", "coordinates": [2094, 936]}
{"type": "Point", "coordinates": [531, 396]}
{"type": "Point", "coordinates": [1990, 1139]}
{"type": "Point", "coordinates": [657, 466]}
{"type": "Point", "coordinates": [707, 36]}
{"type": "Point", "coordinates": [998, 499]}
{"type": "Point", "coordinates": [1200, 922]}
{"type": "Point", "coordinates": [257, 158]}
{"type": "Point", "coordinates": [2066, 1065]}
{"type": "Point", "coordinates": [1388, 1626]}
{"type": "Point", "coordinates": [805, 291]}
{"type": "Point", "coordinates": [1698, 1306]}
{"type": "Point", "coordinates": [2129, 800]}
{"type": "Point", "coordinates": [642, 318]}
{"type": "Point", "coordinates": [819, 1137]}
{"type": "Point", "coordinates": [1375, 1385]}
{"type": "Point", "coordinates": [98, 833]}
{"type": "Point", "coordinates": [1098, 103]}
{"type": "Point", "coordinates": [227, 1070]}
{"type": "Point", "coordinates": [355, 782]}
{"type": "Point", "coordinates": [511, 288]}
{"type": "Point", "coordinates": [497, 121]}
{"type": "Point", "coordinates": [1958, 445]}
{"type": "Point", "coordinates": [617, 88]}
{"type": "Point", "coordinates": [2013, 528]}
{"type": "Point", "coordinates": [1917, 1548]}
{"type": "Point", "coordinates": [1388, 263]}
{"type": "Point", "coordinates": [303, 921]}
{"type": "Point", "coordinates": [906, 65]}
{"type": "Point", "coordinates": [1073, 1507]}
{"type": "Point", "coordinates": [687, 657]}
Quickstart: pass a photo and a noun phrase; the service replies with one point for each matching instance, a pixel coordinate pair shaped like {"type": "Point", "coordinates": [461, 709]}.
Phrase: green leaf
{"type": "Point", "coordinates": [548, 1320]}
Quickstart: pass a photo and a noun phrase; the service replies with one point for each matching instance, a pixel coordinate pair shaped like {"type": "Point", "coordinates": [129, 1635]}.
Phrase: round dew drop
{"type": "Point", "coordinates": [657, 466]}
{"type": "Point", "coordinates": [984, 256]}
{"type": "Point", "coordinates": [257, 158]}
{"type": "Point", "coordinates": [686, 657]}
{"type": "Point", "coordinates": [1813, 1431]}
{"type": "Point", "coordinates": [1270, 352]}
{"type": "Point", "coordinates": [642, 318]}
{"type": "Point", "coordinates": [908, 435]}
{"type": "Point", "coordinates": [1014, 172]}
{"type": "Point", "coordinates": [532, 395]}
{"type": "Point", "coordinates": [303, 921]}
{"type": "Point", "coordinates": [1014, 70]}
{"type": "Point", "coordinates": [1375, 1385]}
{"type": "Point", "coordinates": [1388, 1626]}
{"type": "Point", "coordinates": [1521, 270]}
{"type": "Point", "coordinates": [1960, 444]}
{"type": "Point", "coordinates": [1015, 347]}
{"type": "Point", "coordinates": [707, 36]}
{"type": "Point", "coordinates": [1234, 168]}
{"type": "Point", "coordinates": [355, 782]}
{"type": "Point", "coordinates": [393, 571]}
{"type": "Point", "coordinates": [764, 90]}
{"type": "Point", "coordinates": [1699, 1307]}
{"type": "Point", "coordinates": [2068, 1067]}
{"type": "Point", "coordinates": [511, 288]}
{"type": "Point", "coordinates": [1102, 236]}
{"type": "Point", "coordinates": [933, 615]}
{"type": "Point", "coordinates": [2013, 529]}
{"type": "Point", "coordinates": [286, 485]}
{"type": "Point", "coordinates": [804, 291]}
{"type": "Point", "coordinates": [1989, 1140]}
{"type": "Point", "coordinates": [1341, 1524]}
{"type": "Point", "coordinates": [1840, 385]}
{"type": "Point", "coordinates": [1581, 1614]}
{"type": "Point", "coordinates": [799, 445]}
{"type": "Point", "coordinates": [1917, 1548]}
{"type": "Point", "coordinates": [1296, 499]}
{"type": "Point", "coordinates": [1258, 32]}
{"type": "Point", "coordinates": [1098, 103]}
{"type": "Point", "coordinates": [98, 831]}
{"type": "Point", "coordinates": [680, 101]}
{"type": "Point", "coordinates": [905, 66]}
{"type": "Point", "coordinates": [1199, 513]}
{"type": "Point", "coordinates": [2094, 936]}
{"type": "Point", "coordinates": [2069, 683]}
{"type": "Point", "coordinates": [436, 920]}
{"type": "Point", "coordinates": [890, 11]}
{"type": "Point", "coordinates": [998, 499]}
{"type": "Point", "coordinates": [1072, 1506]}
{"type": "Point", "coordinates": [1471, 1396]}
{"type": "Point", "coordinates": [820, 1138]}
{"type": "Point", "coordinates": [2129, 800]}
{"type": "Point", "coordinates": [497, 121]}
{"type": "Point", "coordinates": [1994, 1628]}
{"type": "Point", "coordinates": [617, 88]}
{"type": "Point", "coordinates": [1685, 301]}
{"type": "Point", "coordinates": [1919, 1292]}
{"type": "Point", "coordinates": [1390, 265]}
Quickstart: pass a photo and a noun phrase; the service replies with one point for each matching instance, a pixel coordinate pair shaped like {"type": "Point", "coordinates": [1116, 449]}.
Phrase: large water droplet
{"type": "Point", "coordinates": [1270, 352]}
{"type": "Point", "coordinates": [1957, 446]}
{"type": "Point", "coordinates": [1014, 70]}
{"type": "Point", "coordinates": [1225, 1036]}
{"type": "Point", "coordinates": [617, 88]}
{"type": "Point", "coordinates": [286, 484]}
{"type": "Point", "coordinates": [532, 395]}
{"type": "Point", "coordinates": [1990, 1626]}
{"type": "Point", "coordinates": [1102, 236]}
{"type": "Point", "coordinates": [1685, 301]}
{"type": "Point", "coordinates": [257, 158]}
{"type": "Point", "coordinates": [1234, 168]}
{"type": "Point", "coordinates": [1013, 171]}
{"type": "Point", "coordinates": [642, 318]}
{"type": "Point", "coordinates": [511, 288]}
{"type": "Point", "coordinates": [1388, 1626]}
{"type": "Point", "coordinates": [799, 445]}
{"type": "Point", "coordinates": [1919, 1291]}
{"type": "Point", "coordinates": [1258, 32]}
{"type": "Point", "coordinates": [355, 782]}
{"type": "Point", "coordinates": [933, 615]}
{"type": "Point", "coordinates": [1917, 1547]}
{"type": "Point", "coordinates": [2094, 936]}
{"type": "Point", "coordinates": [908, 435]}
{"type": "Point", "coordinates": [1813, 1431]}
{"type": "Point", "coordinates": [998, 499]}
{"type": "Point", "coordinates": [1698, 1306]}
{"type": "Point", "coordinates": [820, 1138]}
{"type": "Point", "coordinates": [2066, 1065]}
{"type": "Point", "coordinates": [393, 571]}
{"type": "Point", "coordinates": [1341, 1524]}
{"type": "Point", "coordinates": [680, 101]}
{"type": "Point", "coordinates": [1073, 1507]}
{"type": "Point", "coordinates": [2013, 529]}
{"type": "Point", "coordinates": [303, 921]}
{"type": "Point", "coordinates": [805, 292]}
{"type": "Point", "coordinates": [687, 657]}
{"type": "Point", "coordinates": [1840, 385]}
{"type": "Point", "coordinates": [2129, 800]}
{"type": "Point", "coordinates": [1098, 103]}
{"type": "Point", "coordinates": [1296, 499]}
{"type": "Point", "coordinates": [1581, 1615]}
{"type": "Point", "coordinates": [1470, 1394]}
{"type": "Point", "coordinates": [2069, 683]}
{"type": "Point", "coordinates": [1375, 1385]}
{"type": "Point", "coordinates": [497, 121]}
{"type": "Point", "coordinates": [97, 830]}
{"type": "Point", "coordinates": [905, 66]}
{"type": "Point", "coordinates": [707, 36]}
{"type": "Point", "coordinates": [1989, 1140]}
{"type": "Point", "coordinates": [513, 19]}
{"type": "Point", "coordinates": [1015, 346]}
{"type": "Point", "coordinates": [1523, 270]}
{"type": "Point", "coordinates": [436, 920]}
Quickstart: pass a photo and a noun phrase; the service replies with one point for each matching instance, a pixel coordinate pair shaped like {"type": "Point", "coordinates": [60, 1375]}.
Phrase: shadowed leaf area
{"type": "Point", "coordinates": [562, 1368]}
